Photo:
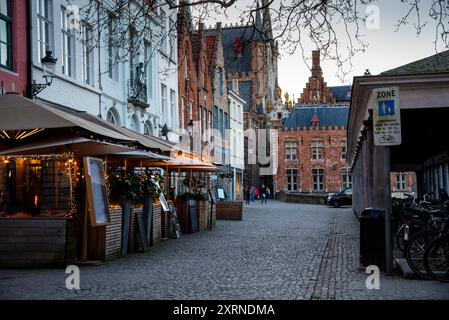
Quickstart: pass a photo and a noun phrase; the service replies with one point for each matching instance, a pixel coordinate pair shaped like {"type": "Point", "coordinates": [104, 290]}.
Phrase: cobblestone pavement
{"type": "Point", "coordinates": [279, 251]}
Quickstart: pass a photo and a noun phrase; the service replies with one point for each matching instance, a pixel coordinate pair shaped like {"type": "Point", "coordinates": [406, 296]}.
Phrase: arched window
{"type": "Point", "coordinates": [134, 125]}
{"type": "Point", "coordinates": [148, 128]}
{"type": "Point", "coordinates": [113, 117]}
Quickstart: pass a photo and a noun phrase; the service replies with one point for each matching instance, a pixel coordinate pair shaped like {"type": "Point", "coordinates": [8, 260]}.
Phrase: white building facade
{"type": "Point", "coordinates": [108, 67]}
{"type": "Point", "coordinates": [236, 141]}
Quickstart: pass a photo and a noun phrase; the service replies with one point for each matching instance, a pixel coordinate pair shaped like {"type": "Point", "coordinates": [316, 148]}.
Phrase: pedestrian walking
{"type": "Point", "coordinates": [268, 193]}
{"type": "Point", "coordinates": [247, 195]}
{"type": "Point", "coordinates": [263, 194]}
{"type": "Point", "coordinates": [251, 195]}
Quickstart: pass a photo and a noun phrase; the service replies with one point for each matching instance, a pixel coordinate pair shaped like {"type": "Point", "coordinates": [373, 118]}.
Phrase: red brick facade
{"type": "Point", "coordinates": [194, 83]}
{"type": "Point", "coordinates": [15, 80]}
{"type": "Point", "coordinates": [316, 90]}
{"type": "Point", "coordinates": [332, 142]}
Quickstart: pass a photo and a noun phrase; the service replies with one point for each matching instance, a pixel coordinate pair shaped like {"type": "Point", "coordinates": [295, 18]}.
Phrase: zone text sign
{"type": "Point", "coordinates": [387, 117]}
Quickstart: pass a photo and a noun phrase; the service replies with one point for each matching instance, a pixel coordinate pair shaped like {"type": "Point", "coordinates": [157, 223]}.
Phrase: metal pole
{"type": "Point", "coordinates": [388, 209]}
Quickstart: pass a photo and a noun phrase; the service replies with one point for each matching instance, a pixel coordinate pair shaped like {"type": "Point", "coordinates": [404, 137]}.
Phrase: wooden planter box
{"type": "Point", "coordinates": [113, 239]}
{"type": "Point", "coordinates": [37, 242]}
{"type": "Point", "coordinates": [229, 210]}
{"type": "Point", "coordinates": [203, 214]}
{"type": "Point", "coordinates": [157, 228]}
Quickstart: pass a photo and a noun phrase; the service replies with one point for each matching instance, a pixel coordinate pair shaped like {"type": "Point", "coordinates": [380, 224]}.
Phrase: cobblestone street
{"type": "Point", "coordinates": [279, 251]}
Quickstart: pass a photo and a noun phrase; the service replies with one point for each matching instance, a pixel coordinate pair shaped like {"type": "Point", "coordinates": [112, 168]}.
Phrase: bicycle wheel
{"type": "Point", "coordinates": [436, 259]}
{"type": "Point", "coordinates": [400, 240]}
{"type": "Point", "coordinates": [414, 251]}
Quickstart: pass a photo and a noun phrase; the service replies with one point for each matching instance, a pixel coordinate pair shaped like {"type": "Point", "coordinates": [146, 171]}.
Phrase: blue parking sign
{"type": "Point", "coordinates": [385, 108]}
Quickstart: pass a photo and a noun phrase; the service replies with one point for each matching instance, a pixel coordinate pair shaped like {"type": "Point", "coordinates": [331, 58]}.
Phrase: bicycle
{"type": "Point", "coordinates": [417, 246]}
{"type": "Point", "coordinates": [436, 257]}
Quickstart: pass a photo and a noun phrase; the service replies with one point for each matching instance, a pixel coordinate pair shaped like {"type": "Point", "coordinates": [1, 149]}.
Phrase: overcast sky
{"type": "Point", "coordinates": [387, 48]}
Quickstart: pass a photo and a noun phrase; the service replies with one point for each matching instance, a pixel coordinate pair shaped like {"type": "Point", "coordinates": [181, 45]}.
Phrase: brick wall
{"type": "Point", "coordinates": [332, 162]}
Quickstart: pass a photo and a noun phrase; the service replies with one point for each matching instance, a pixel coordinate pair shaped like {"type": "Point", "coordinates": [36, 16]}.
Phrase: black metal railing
{"type": "Point", "coordinates": [137, 91]}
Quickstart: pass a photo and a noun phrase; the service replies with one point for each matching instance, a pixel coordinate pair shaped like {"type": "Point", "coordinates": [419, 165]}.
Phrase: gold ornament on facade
{"type": "Point", "coordinates": [287, 97]}
{"type": "Point", "coordinates": [269, 106]}
{"type": "Point", "coordinates": [278, 93]}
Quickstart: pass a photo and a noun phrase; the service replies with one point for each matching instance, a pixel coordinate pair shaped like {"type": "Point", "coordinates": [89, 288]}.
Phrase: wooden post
{"type": "Point", "coordinates": [85, 233]}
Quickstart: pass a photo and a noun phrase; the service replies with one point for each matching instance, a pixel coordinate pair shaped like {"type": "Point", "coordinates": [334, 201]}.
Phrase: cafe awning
{"type": "Point", "coordinates": [79, 146]}
{"type": "Point", "coordinates": [20, 113]}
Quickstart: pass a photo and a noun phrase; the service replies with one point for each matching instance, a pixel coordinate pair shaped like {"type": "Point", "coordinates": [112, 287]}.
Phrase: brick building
{"type": "Point", "coordinates": [250, 56]}
{"type": "Point", "coordinates": [14, 51]}
{"type": "Point", "coordinates": [312, 150]}
{"type": "Point", "coordinates": [312, 139]}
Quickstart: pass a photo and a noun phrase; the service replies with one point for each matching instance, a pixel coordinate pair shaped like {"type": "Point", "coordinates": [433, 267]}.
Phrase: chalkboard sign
{"type": "Point", "coordinates": [211, 196]}
{"type": "Point", "coordinates": [97, 196]}
{"type": "Point", "coordinates": [193, 216]}
{"type": "Point", "coordinates": [142, 237]}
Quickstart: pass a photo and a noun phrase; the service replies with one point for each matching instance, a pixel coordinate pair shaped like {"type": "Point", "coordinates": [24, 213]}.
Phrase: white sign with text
{"type": "Point", "coordinates": [387, 117]}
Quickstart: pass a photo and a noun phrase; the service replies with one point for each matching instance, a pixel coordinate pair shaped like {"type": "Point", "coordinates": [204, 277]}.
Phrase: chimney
{"type": "Point", "coordinates": [315, 58]}
{"type": "Point", "coordinates": [316, 68]}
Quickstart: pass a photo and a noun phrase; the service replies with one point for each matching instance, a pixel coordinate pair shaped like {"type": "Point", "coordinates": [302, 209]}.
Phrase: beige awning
{"type": "Point", "coordinates": [139, 154]}
{"type": "Point", "coordinates": [20, 113]}
{"type": "Point", "coordinates": [78, 145]}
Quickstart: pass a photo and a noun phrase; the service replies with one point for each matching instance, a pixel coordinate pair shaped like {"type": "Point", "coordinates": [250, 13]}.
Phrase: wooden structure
{"type": "Point", "coordinates": [424, 103]}
{"type": "Point", "coordinates": [229, 210]}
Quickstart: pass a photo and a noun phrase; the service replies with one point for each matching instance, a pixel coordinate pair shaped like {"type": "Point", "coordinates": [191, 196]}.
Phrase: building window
{"type": "Point", "coordinates": [112, 49]}
{"type": "Point", "coordinates": [5, 34]}
{"type": "Point", "coordinates": [148, 128]}
{"type": "Point", "coordinates": [401, 182]}
{"type": "Point", "coordinates": [44, 27]}
{"type": "Point", "coordinates": [346, 178]}
{"type": "Point", "coordinates": [68, 43]}
{"type": "Point", "coordinates": [210, 126]}
{"type": "Point", "coordinates": [172, 30]}
{"type": "Point", "coordinates": [148, 67]}
{"type": "Point", "coordinates": [343, 148]}
{"type": "Point", "coordinates": [226, 125]}
{"type": "Point", "coordinates": [292, 179]}
{"type": "Point", "coordinates": [88, 57]}
{"type": "Point", "coordinates": [318, 179]}
{"type": "Point", "coordinates": [216, 117]}
{"type": "Point", "coordinates": [163, 32]}
{"type": "Point", "coordinates": [221, 121]}
{"type": "Point", "coordinates": [134, 56]}
{"type": "Point", "coordinates": [190, 110]}
{"type": "Point", "coordinates": [173, 108]}
{"type": "Point", "coordinates": [317, 149]}
{"type": "Point", "coordinates": [163, 101]}
{"type": "Point", "coordinates": [291, 148]}
{"type": "Point", "coordinates": [220, 82]}
{"type": "Point", "coordinates": [113, 117]}
{"type": "Point", "coordinates": [204, 126]}
{"type": "Point", "coordinates": [183, 104]}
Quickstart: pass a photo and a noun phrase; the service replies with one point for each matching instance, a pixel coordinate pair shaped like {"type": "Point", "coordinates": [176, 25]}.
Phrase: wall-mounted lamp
{"type": "Point", "coordinates": [48, 70]}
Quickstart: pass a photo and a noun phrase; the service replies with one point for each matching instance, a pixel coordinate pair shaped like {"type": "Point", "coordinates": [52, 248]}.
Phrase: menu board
{"type": "Point", "coordinates": [193, 216]}
{"type": "Point", "coordinates": [164, 203]}
{"type": "Point", "coordinates": [97, 196]}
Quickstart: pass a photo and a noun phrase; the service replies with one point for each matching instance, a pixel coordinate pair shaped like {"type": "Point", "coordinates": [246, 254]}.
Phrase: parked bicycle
{"type": "Point", "coordinates": [436, 256]}
{"type": "Point", "coordinates": [437, 224]}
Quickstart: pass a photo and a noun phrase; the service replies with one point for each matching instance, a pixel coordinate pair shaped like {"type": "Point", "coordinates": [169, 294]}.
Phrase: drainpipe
{"type": "Point", "coordinates": [99, 62]}
{"type": "Point", "coordinates": [29, 50]}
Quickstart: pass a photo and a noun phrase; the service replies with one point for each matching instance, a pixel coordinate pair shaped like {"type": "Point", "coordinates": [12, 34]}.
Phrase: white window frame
{"type": "Point", "coordinates": [163, 101]}
{"type": "Point", "coordinates": [291, 176]}
{"type": "Point", "coordinates": [317, 150]}
{"type": "Point", "coordinates": [173, 108]}
{"type": "Point", "coordinates": [88, 54]}
{"type": "Point", "coordinates": [68, 53]}
{"type": "Point", "coordinates": [291, 149]}
{"type": "Point", "coordinates": [45, 36]}
{"type": "Point", "coordinates": [318, 179]}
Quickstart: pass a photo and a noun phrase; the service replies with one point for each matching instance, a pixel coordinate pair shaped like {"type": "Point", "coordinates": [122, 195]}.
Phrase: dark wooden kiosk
{"type": "Point", "coordinates": [46, 189]}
